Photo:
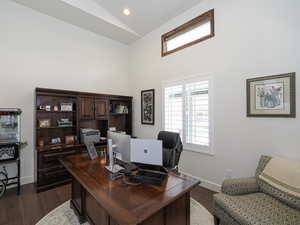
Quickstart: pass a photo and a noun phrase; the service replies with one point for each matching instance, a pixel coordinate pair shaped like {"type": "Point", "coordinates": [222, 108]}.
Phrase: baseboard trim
{"type": "Point", "coordinates": [205, 183]}
{"type": "Point", "coordinates": [27, 180]}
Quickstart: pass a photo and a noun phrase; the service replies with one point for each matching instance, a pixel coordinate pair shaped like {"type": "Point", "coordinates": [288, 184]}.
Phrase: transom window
{"type": "Point", "coordinates": [190, 33]}
{"type": "Point", "coordinates": [187, 111]}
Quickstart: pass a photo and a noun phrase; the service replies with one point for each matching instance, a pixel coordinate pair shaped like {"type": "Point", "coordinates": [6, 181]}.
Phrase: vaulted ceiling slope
{"type": "Point", "coordinates": [105, 17]}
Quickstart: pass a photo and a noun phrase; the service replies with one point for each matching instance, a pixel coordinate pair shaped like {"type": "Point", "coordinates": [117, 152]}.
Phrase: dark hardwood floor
{"type": "Point", "coordinates": [30, 207]}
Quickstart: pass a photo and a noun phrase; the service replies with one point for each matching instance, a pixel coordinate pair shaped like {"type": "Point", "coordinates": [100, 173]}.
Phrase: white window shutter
{"type": "Point", "coordinates": [197, 113]}
{"type": "Point", "coordinates": [187, 111]}
{"type": "Point", "coordinates": [173, 108]}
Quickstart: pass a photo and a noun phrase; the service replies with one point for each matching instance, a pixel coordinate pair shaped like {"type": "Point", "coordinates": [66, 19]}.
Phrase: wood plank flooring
{"type": "Point", "coordinates": [30, 207]}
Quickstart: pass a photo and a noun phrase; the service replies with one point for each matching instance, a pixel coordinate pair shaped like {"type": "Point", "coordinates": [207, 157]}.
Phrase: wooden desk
{"type": "Point", "coordinates": [102, 201]}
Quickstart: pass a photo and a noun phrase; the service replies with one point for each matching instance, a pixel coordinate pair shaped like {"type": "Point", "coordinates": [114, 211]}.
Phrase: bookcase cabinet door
{"type": "Point", "coordinates": [101, 108]}
{"type": "Point", "coordinates": [86, 108]}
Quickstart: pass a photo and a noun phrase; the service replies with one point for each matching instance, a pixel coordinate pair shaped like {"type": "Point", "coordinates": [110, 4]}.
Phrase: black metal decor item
{"type": "Point", "coordinates": [10, 144]}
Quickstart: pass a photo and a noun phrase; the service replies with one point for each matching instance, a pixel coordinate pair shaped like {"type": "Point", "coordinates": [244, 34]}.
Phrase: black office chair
{"type": "Point", "coordinates": [172, 148]}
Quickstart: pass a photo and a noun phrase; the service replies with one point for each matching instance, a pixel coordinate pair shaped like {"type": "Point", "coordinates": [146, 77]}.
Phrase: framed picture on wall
{"type": "Point", "coordinates": [148, 107]}
{"type": "Point", "coordinates": [271, 96]}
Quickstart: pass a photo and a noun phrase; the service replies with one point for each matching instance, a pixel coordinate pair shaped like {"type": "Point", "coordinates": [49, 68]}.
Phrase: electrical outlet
{"type": "Point", "coordinates": [228, 173]}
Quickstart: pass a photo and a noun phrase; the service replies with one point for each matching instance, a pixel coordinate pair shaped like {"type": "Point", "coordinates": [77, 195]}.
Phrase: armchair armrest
{"type": "Point", "coordinates": [240, 186]}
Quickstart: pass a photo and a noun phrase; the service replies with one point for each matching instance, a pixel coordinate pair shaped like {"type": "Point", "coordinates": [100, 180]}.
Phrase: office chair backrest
{"type": "Point", "coordinates": [172, 148]}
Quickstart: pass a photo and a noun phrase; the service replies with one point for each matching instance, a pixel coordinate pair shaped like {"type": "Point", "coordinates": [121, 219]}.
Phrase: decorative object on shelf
{"type": "Point", "coordinates": [41, 143]}
{"type": "Point", "coordinates": [70, 140]}
{"type": "Point", "coordinates": [55, 108]}
{"type": "Point", "coordinates": [271, 96]}
{"type": "Point", "coordinates": [148, 107]}
{"type": "Point", "coordinates": [48, 108]}
{"type": "Point", "coordinates": [112, 129]}
{"type": "Point", "coordinates": [41, 107]}
{"type": "Point", "coordinates": [66, 107]}
{"type": "Point", "coordinates": [56, 140]}
{"type": "Point", "coordinates": [121, 109]}
{"type": "Point", "coordinates": [64, 122]}
{"type": "Point", "coordinates": [44, 123]}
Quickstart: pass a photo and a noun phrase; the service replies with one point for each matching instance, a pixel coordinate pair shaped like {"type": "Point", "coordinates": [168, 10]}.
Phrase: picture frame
{"type": "Point", "coordinates": [44, 123]}
{"type": "Point", "coordinates": [272, 96]}
{"type": "Point", "coordinates": [70, 140]}
{"type": "Point", "coordinates": [148, 107]}
{"type": "Point", "coordinates": [66, 107]}
{"type": "Point", "coordinates": [48, 108]}
{"type": "Point", "coordinates": [55, 141]}
{"type": "Point", "coordinates": [92, 151]}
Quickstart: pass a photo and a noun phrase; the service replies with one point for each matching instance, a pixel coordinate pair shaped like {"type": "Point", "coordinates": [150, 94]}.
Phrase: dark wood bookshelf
{"type": "Point", "coordinates": [45, 111]}
{"type": "Point", "coordinates": [89, 110]}
{"type": "Point", "coordinates": [65, 146]}
{"type": "Point", "coordinates": [118, 114]}
{"type": "Point", "coordinates": [55, 127]}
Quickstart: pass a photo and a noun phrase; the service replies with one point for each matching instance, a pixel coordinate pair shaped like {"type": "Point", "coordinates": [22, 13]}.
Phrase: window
{"type": "Point", "coordinates": [187, 111]}
{"type": "Point", "coordinates": [190, 33]}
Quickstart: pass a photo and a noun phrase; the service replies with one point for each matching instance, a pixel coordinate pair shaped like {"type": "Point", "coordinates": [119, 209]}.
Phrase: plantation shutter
{"type": "Point", "coordinates": [173, 111]}
{"type": "Point", "coordinates": [187, 111]}
{"type": "Point", "coordinates": [197, 113]}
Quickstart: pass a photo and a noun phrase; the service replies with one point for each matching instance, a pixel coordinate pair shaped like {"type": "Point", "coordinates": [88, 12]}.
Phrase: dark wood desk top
{"type": "Point", "coordinates": [126, 204]}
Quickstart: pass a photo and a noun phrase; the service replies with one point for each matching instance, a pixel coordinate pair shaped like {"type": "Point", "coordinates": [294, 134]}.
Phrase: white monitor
{"type": "Point", "coordinates": [146, 151]}
{"type": "Point", "coordinates": [121, 144]}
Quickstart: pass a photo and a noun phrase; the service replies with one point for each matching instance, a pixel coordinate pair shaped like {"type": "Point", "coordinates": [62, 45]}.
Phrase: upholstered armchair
{"type": "Point", "coordinates": [251, 201]}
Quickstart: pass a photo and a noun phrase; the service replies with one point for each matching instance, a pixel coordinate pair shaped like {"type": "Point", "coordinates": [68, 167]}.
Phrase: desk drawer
{"type": "Point", "coordinates": [96, 214]}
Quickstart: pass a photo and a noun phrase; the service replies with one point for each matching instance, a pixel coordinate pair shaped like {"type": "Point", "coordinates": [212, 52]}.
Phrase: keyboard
{"type": "Point", "coordinates": [128, 166]}
{"type": "Point", "coordinates": [151, 167]}
{"type": "Point", "coordinates": [147, 177]}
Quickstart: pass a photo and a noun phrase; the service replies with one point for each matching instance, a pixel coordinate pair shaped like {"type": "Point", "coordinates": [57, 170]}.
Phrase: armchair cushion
{"type": "Point", "coordinates": [257, 209]}
{"type": "Point", "coordinates": [288, 199]}
{"type": "Point", "coordinates": [225, 218]}
{"type": "Point", "coordinates": [240, 186]}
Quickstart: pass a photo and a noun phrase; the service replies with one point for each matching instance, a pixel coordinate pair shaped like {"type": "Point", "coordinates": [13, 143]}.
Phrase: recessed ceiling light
{"type": "Point", "coordinates": [126, 12]}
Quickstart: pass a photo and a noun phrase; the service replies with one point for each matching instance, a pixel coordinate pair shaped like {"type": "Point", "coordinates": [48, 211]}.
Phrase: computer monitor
{"type": "Point", "coordinates": [146, 151]}
{"type": "Point", "coordinates": [121, 144]}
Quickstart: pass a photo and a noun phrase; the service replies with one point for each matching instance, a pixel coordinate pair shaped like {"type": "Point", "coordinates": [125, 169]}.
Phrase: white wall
{"type": "Point", "coordinates": [253, 38]}
{"type": "Point", "coordinates": [40, 51]}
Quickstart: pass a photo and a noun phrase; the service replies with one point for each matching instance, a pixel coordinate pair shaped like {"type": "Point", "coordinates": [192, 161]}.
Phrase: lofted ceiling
{"type": "Point", "coordinates": [146, 15]}
{"type": "Point", "coordinates": [105, 17]}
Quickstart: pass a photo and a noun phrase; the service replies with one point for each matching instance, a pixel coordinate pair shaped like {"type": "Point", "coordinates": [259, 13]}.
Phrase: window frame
{"type": "Point", "coordinates": [209, 150]}
{"type": "Point", "coordinates": [185, 27]}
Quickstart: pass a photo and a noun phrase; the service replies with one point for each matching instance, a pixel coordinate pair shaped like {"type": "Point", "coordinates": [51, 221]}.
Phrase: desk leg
{"type": "Point", "coordinates": [19, 175]}
{"type": "Point", "coordinates": [78, 200]}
